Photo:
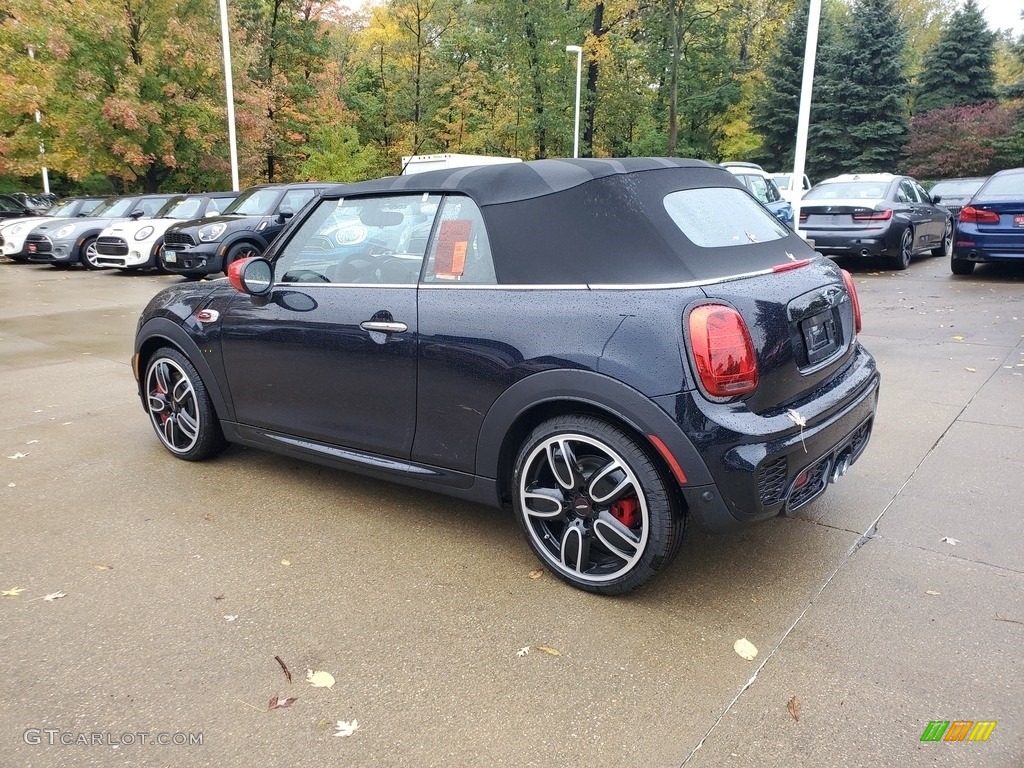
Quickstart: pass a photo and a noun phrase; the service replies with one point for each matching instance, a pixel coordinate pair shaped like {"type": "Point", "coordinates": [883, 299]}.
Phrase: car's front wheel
{"type": "Point", "coordinates": [240, 251]}
{"type": "Point", "coordinates": [179, 407]}
{"type": "Point", "coordinates": [594, 506]}
{"type": "Point", "coordinates": [90, 256]}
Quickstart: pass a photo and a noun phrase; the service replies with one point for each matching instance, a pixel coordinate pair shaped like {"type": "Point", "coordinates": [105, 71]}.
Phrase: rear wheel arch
{"type": "Point", "coordinates": [543, 396]}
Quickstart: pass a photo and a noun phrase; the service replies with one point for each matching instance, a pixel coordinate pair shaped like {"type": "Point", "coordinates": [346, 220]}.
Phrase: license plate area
{"type": "Point", "coordinates": [1018, 220]}
{"type": "Point", "coordinates": [821, 339]}
{"type": "Point", "coordinates": [170, 257]}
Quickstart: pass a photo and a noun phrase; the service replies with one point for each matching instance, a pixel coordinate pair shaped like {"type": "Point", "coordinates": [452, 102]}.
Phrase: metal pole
{"type": "Point", "coordinates": [579, 72]}
{"type": "Point", "coordinates": [804, 115]}
{"type": "Point", "coordinates": [230, 92]}
{"type": "Point", "coordinates": [42, 148]}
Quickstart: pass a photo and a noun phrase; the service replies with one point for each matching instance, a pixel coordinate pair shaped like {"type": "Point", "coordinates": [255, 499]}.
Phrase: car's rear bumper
{"type": "Point", "coordinates": [757, 461]}
{"type": "Point", "coordinates": [850, 242]}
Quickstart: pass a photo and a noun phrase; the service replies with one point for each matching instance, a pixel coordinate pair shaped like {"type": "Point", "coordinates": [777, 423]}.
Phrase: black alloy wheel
{"type": "Point", "coordinates": [594, 506]}
{"type": "Point", "coordinates": [946, 246]}
{"type": "Point", "coordinates": [90, 256]}
{"type": "Point", "coordinates": [240, 251]}
{"type": "Point", "coordinates": [902, 258]}
{"type": "Point", "coordinates": [179, 407]}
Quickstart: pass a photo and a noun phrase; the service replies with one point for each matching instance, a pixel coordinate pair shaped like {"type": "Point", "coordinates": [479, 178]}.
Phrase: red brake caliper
{"type": "Point", "coordinates": [627, 511]}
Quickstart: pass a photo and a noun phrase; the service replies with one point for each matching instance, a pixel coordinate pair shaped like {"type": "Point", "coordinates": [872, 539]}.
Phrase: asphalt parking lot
{"type": "Point", "coordinates": [895, 600]}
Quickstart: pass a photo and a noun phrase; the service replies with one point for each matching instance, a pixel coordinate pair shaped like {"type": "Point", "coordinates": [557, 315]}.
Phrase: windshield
{"type": "Point", "coordinates": [848, 190]}
{"type": "Point", "coordinates": [255, 202]}
{"type": "Point", "coordinates": [1008, 186]}
{"type": "Point", "coordinates": [182, 208]}
{"type": "Point", "coordinates": [114, 207]}
{"type": "Point", "coordinates": [698, 214]}
{"type": "Point", "coordinates": [68, 208]}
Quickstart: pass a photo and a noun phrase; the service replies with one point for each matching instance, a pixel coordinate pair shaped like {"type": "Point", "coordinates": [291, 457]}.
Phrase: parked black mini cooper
{"type": "Point", "coordinates": [610, 346]}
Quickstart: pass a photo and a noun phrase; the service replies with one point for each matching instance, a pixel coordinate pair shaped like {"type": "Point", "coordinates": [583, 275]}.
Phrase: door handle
{"type": "Point", "coordinates": [383, 327]}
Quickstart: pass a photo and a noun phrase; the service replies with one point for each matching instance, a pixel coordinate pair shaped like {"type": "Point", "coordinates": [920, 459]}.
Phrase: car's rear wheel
{"type": "Point", "coordinates": [906, 249]}
{"type": "Point", "coordinates": [90, 256]}
{"type": "Point", "coordinates": [179, 407]}
{"type": "Point", "coordinates": [594, 506]}
{"type": "Point", "coordinates": [961, 266]}
{"type": "Point", "coordinates": [946, 247]}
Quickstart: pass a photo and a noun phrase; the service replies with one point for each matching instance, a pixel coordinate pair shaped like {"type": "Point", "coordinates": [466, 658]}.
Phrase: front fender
{"type": "Point", "coordinates": [162, 331]}
{"type": "Point", "coordinates": [585, 388]}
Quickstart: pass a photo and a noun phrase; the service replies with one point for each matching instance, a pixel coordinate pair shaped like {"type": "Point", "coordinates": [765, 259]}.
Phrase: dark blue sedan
{"type": "Point", "coordinates": [611, 348]}
{"type": "Point", "coordinates": [991, 226]}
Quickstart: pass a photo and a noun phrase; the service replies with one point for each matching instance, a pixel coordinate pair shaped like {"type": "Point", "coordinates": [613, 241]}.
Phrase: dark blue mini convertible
{"type": "Point", "coordinates": [609, 347]}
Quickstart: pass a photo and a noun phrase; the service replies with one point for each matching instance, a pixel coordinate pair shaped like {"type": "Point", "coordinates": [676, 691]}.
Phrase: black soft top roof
{"type": "Point", "coordinates": [598, 222]}
{"type": "Point", "coordinates": [510, 182]}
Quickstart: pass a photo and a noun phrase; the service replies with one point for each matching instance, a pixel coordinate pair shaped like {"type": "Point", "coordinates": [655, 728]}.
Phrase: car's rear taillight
{"type": "Point", "coordinates": [722, 351]}
{"type": "Point", "coordinates": [852, 290]}
{"type": "Point", "coordinates": [873, 215]}
{"type": "Point", "coordinates": [972, 215]}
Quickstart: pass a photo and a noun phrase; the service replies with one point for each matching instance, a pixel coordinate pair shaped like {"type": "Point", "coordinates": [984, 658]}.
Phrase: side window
{"type": "Point", "coordinates": [923, 196]}
{"type": "Point", "coordinates": [460, 251]}
{"type": "Point", "coordinates": [906, 193]}
{"type": "Point", "coordinates": [295, 199]}
{"type": "Point", "coordinates": [772, 191]}
{"type": "Point", "coordinates": [372, 240]}
{"type": "Point", "coordinates": [758, 187]}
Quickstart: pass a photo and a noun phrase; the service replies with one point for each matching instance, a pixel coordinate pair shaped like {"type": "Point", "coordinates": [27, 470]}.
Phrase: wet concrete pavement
{"type": "Point", "coordinates": [184, 581]}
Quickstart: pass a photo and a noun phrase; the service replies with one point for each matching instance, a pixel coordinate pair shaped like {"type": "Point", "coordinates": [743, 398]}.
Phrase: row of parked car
{"type": "Point", "coordinates": [968, 220]}
{"type": "Point", "coordinates": [193, 235]}
{"type": "Point", "coordinates": [880, 215]}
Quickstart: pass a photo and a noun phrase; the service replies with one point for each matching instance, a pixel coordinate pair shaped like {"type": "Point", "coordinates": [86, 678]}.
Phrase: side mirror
{"type": "Point", "coordinates": [283, 216]}
{"type": "Point", "coordinates": [210, 213]}
{"type": "Point", "coordinates": [253, 276]}
{"type": "Point", "coordinates": [936, 199]}
{"type": "Point", "coordinates": [136, 214]}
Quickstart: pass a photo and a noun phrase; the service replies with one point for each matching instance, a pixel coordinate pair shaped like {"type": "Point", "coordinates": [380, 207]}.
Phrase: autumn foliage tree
{"type": "Point", "coordinates": [958, 141]}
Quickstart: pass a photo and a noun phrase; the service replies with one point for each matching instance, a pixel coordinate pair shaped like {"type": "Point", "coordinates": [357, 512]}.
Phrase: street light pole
{"type": "Point", "coordinates": [230, 91]}
{"type": "Point", "coordinates": [579, 72]}
{"type": "Point", "coordinates": [42, 148]}
{"type": "Point", "coordinates": [804, 112]}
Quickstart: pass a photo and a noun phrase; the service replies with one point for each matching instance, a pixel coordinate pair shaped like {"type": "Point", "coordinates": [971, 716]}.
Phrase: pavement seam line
{"type": "Point", "coordinates": [863, 539]}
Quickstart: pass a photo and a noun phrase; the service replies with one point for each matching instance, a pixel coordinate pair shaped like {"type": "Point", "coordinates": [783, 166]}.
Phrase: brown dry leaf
{"type": "Point", "coordinates": [103, 567]}
{"type": "Point", "coordinates": [218, 597]}
{"type": "Point", "coordinates": [536, 573]}
{"type": "Point", "coordinates": [794, 708]}
{"type": "Point", "coordinates": [284, 667]}
{"type": "Point", "coordinates": [281, 702]}
{"type": "Point", "coordinates": [208, 517]}
{"type": "Point", "coordinates": [548, 650]}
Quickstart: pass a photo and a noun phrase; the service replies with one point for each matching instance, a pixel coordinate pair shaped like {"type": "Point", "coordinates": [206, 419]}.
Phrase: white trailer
{"type": "Point", "coordinates": [420, 163]}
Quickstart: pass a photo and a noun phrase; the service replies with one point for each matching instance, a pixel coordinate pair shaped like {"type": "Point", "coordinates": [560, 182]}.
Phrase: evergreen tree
{"type": "Point", "coordinates": [861, 119]}
{"type": "Point", "coordinates": [960, 68]}
{"type": "Point", "coordinates": [775, 114]}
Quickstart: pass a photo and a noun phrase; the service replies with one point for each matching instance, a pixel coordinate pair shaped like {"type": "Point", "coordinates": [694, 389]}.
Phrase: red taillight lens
{"type": "Point", "coordinates": [972, 215]}
{"type": "Point", "coordinates": [852, 290]}
{"type": "Point", "coordinates": [722, 350]}
{"type": "Point", "coordinates": [873, 216]}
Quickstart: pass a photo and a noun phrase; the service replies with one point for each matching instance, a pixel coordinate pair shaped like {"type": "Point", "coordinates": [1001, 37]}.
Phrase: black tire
{"type": "Point", "coordinates": [605, 519]}
{"type": "Point", "coordinates": [961, 266]}
{"type": "Point", "coordinates": [946, 247]}
{"type": "Point", "coordinates": [89, 255]}
{"type": "Point", "coordinates": [240, 251]}
{"type": "Point", "coordinates": [179, 407]}
{"type": "Point", "coordinates": [193, 275]}
{"type": "Point", "coordinates": [906, 249]}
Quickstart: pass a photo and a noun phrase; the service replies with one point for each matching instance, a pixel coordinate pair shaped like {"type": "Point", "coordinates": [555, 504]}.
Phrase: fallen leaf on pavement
{"type": "Point", "coordinates": [103, 567]}
{"type": "Point", "coordinates": [931, 592]}
{"type": "Point", "coordinates": [18, 455]}
{"type": "Point", "coordinates": [319, 679]}
{"type": "Point", "coordinates": [218, 597]}
{"type": "Point", "coordinates": [548, 650]}
{"type": "Point", "coordinates": [12, 592]}
{"type": "Point", "coordinates": [286, 562]}
{"type": "Point", "coordinates": [525, 650]}
{"type": "Point", "coordinates": [53, 596]}
{"type": "Point", "coordinates": [794, 708]}
{"type": "Point", "coordinates": [950, 540]}
{"type": "Point", "coordinates": [231, 617]}
{"type": "Point", "coordinates": [284, 667]}
{"type": "Point", "coordinates": [745, 649]}
{"type": "Point", "coordinates": [281, 702]}
{"type": "Point", "coordinates": [971, 370]}
{"type": "Point", "coordinates": [344, 728]}
{"type": "Point", "coordinates": [536, 573]}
